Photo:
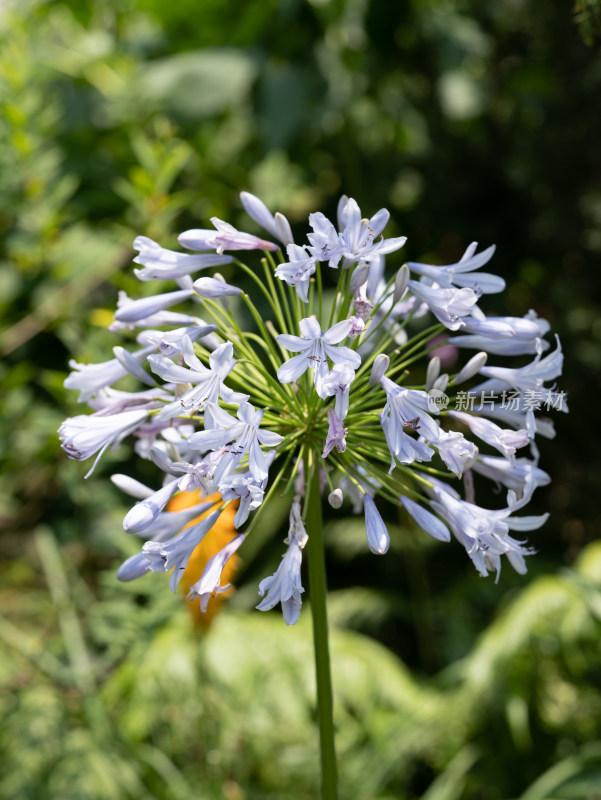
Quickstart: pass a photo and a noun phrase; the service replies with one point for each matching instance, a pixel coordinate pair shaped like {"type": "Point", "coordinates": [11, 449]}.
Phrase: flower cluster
{"type": "Point", "coordinates": [325, 377]}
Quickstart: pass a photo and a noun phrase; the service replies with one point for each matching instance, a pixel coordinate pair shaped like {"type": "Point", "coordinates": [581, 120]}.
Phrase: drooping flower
{"type": "Point", "coordinates": [285, 586]}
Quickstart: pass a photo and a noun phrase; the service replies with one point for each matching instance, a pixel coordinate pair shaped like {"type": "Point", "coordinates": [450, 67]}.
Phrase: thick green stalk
{"type": "Point", "coordinates": [318, 591]}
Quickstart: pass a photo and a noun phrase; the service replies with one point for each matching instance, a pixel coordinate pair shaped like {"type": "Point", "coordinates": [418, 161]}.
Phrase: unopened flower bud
{"type": "Point", "coordinates": [400, 283]}
{"type": "Point", "coordinates": [432, 373]}
{"type": "Point", "coordinates": [441, 383]}
{"type": "Point", "coordinates": [358, 277]}
{"type": "Point", "coordinates": [335, 498]}
{"type": "Point", "coordinates": [473, 367]}
{"type": "Point", "coordinates": [380, 366]}
{"type": "Point", "coordinates": [282, 228]}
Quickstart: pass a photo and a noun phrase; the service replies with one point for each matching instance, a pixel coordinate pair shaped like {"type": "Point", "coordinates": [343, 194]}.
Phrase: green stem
{"type": "Point", "coordinates": [318, 589]}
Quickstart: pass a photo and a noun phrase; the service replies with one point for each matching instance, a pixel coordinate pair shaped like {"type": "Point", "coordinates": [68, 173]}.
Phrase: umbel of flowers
{"type": "Point", "coordinates": [346, 397]}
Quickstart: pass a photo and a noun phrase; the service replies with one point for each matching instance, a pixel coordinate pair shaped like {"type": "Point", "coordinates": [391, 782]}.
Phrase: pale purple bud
{"type": "Point", "coordinates": [380, 365]}
{"type": "Point", "coordinates": [213, 287]}
{"type": "Point", "coordinates": [283, 231]}
{"type": "Point", "coordinates": [144, 513]}
{"type": "Point", "coordinates": [433, 372]}
{"type": "Point", "coordinates": [134, 567]}
{"type": "Point", "coordinates": [401, 281]}
{"type": "Point", "coordinates": [378, 539]}
{"type": "Point", "coordinates": [358, 277]}
{"type": "Point", "coordinates": [136, 310]}
{"type": "Point", "coordinates": [473, 367]}
{"type": "Point", "coordinates": [441, 383]}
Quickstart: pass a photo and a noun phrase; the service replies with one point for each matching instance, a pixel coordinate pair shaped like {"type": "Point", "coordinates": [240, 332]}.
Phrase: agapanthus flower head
{"type": "Point", "coordinates": [344, 396]}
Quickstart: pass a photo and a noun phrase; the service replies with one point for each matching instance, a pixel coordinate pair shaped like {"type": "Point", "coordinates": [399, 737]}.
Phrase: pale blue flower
{"type": "Point", "coordinates": [208, 585]}
{"type": "Point", "coordinates": [285, 586]}
{"type": "Point", "coordinates": [463, 273]}
{"type": "Point", "coordinates": [315, 348]}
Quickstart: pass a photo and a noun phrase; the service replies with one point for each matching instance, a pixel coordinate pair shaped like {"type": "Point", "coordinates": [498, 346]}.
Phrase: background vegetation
{"type": "Point", "coordinates": [467, 120]}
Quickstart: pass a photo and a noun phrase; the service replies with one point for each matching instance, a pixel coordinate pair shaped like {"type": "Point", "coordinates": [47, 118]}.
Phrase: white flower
{"type": "Point", "coordinates": [521, 478]}
{"type": "Point", "coordinates": [244, 432]}
{"type": "Point", "coordinates": [315, 348]}
{"type": "Point", "coordinates": [144, 513]}
{"type": "Point", "coordinates": [208, 585]}
{"type": "Point", "coordinates": [285, 586]}
{"type": "Point", "coordinates": [505, 441]}
{"type": "Point", "coordinates": [89, 379]}
{"type": "Point", "coordinates": [485, 533]}
{"type": "Point", "coordinates": [457, 452]}
{"type": "Point", "coordinates": [83, 436]}
{"type": "Point", "coordinates": [407, 408]}
{"type": "Point", "coordinates": [208, 383]}
{"type": "Point", "coordinates": [337, 383]}
{"type": "Point", "coordinates": [357, 242]}
{"type": "Point", "coordinates": [161, 264]}
{"type": "Point", "coordinates": [447, 305]}
{"type": "Point", "coordinates": [297, 272]}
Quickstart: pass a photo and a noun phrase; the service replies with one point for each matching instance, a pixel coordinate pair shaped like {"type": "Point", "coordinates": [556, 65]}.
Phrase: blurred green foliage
{"type": "Point", "coordinates": [467, 120]}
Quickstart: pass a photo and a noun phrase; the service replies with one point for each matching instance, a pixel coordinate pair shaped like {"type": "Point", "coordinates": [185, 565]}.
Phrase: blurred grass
{"type": "Point", "coordinates": [465, 119]}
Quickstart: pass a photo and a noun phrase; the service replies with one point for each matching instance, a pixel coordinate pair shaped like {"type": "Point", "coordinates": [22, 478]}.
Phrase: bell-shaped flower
{"type": "Point", "coordinates": [315, 348]}
{"type": "Point", "coordinates": [485, 533]}
{"type": "Point", "coordinates": [285, 586]}
{"type": "Point", "coordinates": [83, 436]}
{"type": "Point", "coordinates": [246, 435]}
{"type": "Point", "coordinates": [337, 383]}
{"type": "Point", "coordinates": [463, 273]}
{"type": "Point", "coordinates": [297, 272]}
{"type": "Point", "coordinates": [407, 408]}
{"type": "Point", "coordinates": [161, 264]}
{"type": "Point", "coordinates": [208, 585]}
{"type": "Point", "coordinates": [504, 440]}
{"type": "Point", "coordinates": [378, 539]}
{"type": "Point", "coordinates": [89, 379]}
{"type": "Point", "coordinates": [175, 553]}
{"type": "Point", "coordinates": [336, 437]}
{"type": "Point", "coordinates": [457, 452]}
{"type": "Point", "coordinates": [531, 377]}
{"type": "Point", "coordinates": [225, 237]}
{"type": "Point", "coordinates": [521, 477]}
{"type": "Point", "coordinates": [447, 305]}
